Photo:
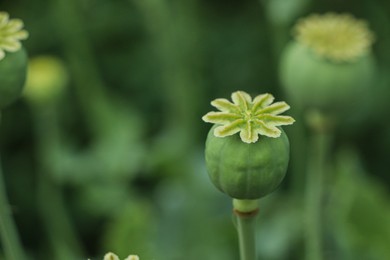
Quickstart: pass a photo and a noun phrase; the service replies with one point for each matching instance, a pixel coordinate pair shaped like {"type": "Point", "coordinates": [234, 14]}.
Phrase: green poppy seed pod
{"type": "Point", "coordinates": [329, 65]}
{"type": "Point", "coordinates": [314, 82]}
{"type": "Point", "coordinates": [252, 164]}
{"type": "Point", "coordinates": [243, 170]}
{"type": "Point", "coordinates": [12, 76]}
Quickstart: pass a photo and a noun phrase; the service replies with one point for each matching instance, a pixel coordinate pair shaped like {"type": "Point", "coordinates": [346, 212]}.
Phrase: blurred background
{"type": "Point", "coordinates": [114, 160]}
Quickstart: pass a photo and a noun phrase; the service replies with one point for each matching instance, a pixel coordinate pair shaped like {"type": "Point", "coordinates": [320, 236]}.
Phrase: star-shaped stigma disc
{"type": "Point", "coordinates": [338, 37]}
{"type": "Point", "coordinates": [250, 118]}
{"type": "Point", "coordinates": [11, 33]}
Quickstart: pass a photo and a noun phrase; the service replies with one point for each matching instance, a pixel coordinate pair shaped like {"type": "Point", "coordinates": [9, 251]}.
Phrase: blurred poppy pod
{"type": "Point", "coordinates": [329, 66]}
{"type": "Point", "coordinates": [246, 171]}
{"type": "Point", "coordinates": [12, 76]}
{"type": "Point", "coordinates": [46, 80]}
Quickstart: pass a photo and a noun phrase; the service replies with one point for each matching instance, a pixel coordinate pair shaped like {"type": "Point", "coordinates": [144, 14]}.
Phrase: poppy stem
{"type": "Point", "coordinates": [9, 236]}
{"type": "Point", "coordinates": [314, 190]}
{"type": "Point", "coordinates": [246, 227]}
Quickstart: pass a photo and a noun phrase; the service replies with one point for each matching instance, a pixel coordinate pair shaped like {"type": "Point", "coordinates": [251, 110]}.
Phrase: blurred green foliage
{"type": "Point", "coordinates": [116, 164]}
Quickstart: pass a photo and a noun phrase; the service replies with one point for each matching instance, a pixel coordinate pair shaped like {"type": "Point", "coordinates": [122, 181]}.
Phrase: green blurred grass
{"type": "Point", "coordinates": [120, 156]}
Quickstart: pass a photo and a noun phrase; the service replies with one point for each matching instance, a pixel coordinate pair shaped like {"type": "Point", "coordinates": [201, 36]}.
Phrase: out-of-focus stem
{"type": "Point", "coordinates": [315, 178]}
{"type": "Point", "coordinates": [59, 227]}
{"type": "Point", "coordinates": [9, 236]}
{"type": "Point", "coordinates": [168, 23]}
{"type": "Point", "coordinates": [90, 87]}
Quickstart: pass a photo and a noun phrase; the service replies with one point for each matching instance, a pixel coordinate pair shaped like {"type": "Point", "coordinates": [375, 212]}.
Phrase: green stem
{"type": "Point", "coordinates": [51, 201]}
{"type": "Point", "coordinates": [61, 232]}
{"type": "Point", "coordinates": [246, 228]}
{"type": "Point", "coordinates": [315, 177]}
{"type": "Point", "coordinates": [168, 23]}
{"type": "Point", "coordinates": [89, 85]}
{"type": "Point", "coordinates": [9, 236]}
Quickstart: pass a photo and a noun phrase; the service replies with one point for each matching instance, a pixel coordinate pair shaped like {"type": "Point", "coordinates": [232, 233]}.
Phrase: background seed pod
{"type": "Point", "coordinates": [246, 171]}
{"type": "Point", "coordinates": [312, 81]}
{"type": "Point", "coordinates": [46, 80]}
{"type": "Point", "coordinates": [12, 76]}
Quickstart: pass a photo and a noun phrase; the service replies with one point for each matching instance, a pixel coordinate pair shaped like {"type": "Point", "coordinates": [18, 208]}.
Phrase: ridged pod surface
{"type": "Point", "coordinates": [12, 76]}
{"type": "Point", "coordinates": [246, 171]}
{"type": "Point", "coordinates": [312, 81]}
